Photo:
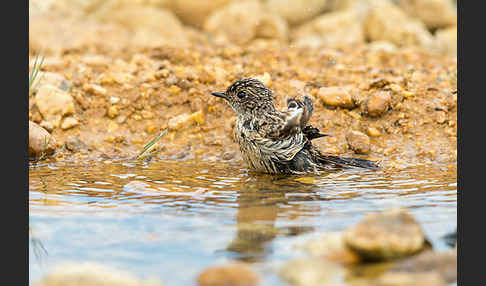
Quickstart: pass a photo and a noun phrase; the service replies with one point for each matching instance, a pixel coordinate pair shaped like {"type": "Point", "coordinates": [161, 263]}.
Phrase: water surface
{"type": "Point", "coordinates": [171, 220]}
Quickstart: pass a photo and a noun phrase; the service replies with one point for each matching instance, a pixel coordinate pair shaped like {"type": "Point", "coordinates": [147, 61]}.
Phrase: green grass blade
{"type": "Point", "coordinates": [151, 143]}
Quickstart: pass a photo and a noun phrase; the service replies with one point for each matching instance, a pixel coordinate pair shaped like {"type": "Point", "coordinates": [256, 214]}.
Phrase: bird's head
{"type": "Point", "coordinates": [247, 96]}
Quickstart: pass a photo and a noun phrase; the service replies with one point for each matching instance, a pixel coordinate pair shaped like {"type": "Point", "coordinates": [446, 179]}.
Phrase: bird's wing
{"type": "Point", "coordinates": [306, 107]}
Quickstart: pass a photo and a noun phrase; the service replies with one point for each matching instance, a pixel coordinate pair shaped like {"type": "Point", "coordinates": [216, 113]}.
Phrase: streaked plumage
{"type": "Point", "coordinates": [278, 142]}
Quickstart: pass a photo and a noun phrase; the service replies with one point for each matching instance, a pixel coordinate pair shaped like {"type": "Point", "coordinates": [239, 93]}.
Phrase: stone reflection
{"type": "Point", "coordinates": [261, 200]}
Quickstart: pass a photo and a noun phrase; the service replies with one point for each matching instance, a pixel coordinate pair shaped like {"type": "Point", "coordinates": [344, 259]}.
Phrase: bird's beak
{"type": "Point", "coordinates": [219, 94]}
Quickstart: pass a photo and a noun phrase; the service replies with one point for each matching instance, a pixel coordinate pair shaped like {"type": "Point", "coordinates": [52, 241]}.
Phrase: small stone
{"type": "Point", "coordinates": [443, 263]}
{"type": "Point", "coordinates": [40, 141]}
{"type": "Point", "coordinates": [53, 103]}
{"type": "Point", "coordinates": [312, 272]}
{"type": "Point", "coordinates": [336, 96]}
{"type": "Point", "coordinates": [410, 279]}
{"type": "Point", "coordinates": [330, 246]}
{"type": "Point", "coordinates": [335, 29]}
{"type": "Point", "coordinates": [91, 273]}
{"type": "Point", "coordinates": [377, 103]}
{"type": "Point", "coordinates": [251, 19]}
{"type": "Point", "coordinates": [296, 11]}
{"type": "Point", "coordinates": [179, 121]}
{"type": "Point", "coordinates": [114, 99]}
{"type": "Point", "coordinates": [69, 122]}
{"type": "Point", "coordinates": [47, 125]}
{"type": "Point", "coordinates": [174, 90]}
{"type": "Point", "coordinates": [147, 114]}
{"type": "Point", "coordinates": [112, 111]}
{"type": "Point", "coordinates": [440, 117]}
{"type": "Point", "coordinates": [74, 144]}
{"type": "Point", "coordinates": [386, 235]}
{"type": "Point", "coordinates": [235, 274]}
{"type": "Point", "coordinates": [387, 22]}
{"type": "Point", "coordinates": [433, 13]}
{"type": "Point", "coordinates": [373, 132]}
{"type": "Point", "coordinates": [94, 89]}
{"type": "Point", "coordinates": [358, 142]}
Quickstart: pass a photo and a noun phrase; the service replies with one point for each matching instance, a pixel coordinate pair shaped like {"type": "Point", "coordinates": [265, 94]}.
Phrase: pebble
{"type": "Point", "coordinates": [112, 111]}
{"type": "Point", "coordinates": [405, 279]}
{"type": "Point", "coordinates": [234, 274]}
{"type": "Point", "coordinates": [69, 122]}
{"type": "Point", "coordinates": [181, 120]}
{"type": "Point", "coordinates": [312, 272]}
{"type": "Point", "coordinates": [91, 273]}
{"type": "Point", "coordinates": [94, 89]}
{"type": "Point", "coordinates": [373, 132]}
{"type": "Point", "coordinates": [336, 96]}
{"type": "Point", "coordinates": [53, 103]}
{"type": "Point", "coordinates": [386, 235]}
{"type": "Point", "coordinates": [40, 141]}
{"type": "Point", "coordinates": [358, 142]}
{"type": "Point", "coordinates": [377, 103]}
{"type": "Point", "coordinates": [443, 263]}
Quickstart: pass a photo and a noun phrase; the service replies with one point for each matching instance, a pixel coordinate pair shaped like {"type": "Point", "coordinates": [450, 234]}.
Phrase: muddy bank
{"type": "Point", "coordinates": [405, 102]}
{"type": "Point", "coordinates": [121, 79]}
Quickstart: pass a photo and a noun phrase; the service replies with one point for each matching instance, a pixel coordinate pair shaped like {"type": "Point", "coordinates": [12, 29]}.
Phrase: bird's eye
{"type": "Point", "coordinates": [241, 94]}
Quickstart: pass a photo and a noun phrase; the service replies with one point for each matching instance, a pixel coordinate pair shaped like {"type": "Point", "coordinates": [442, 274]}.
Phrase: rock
{"type": "Point", "coordinates": [195, 12]}
{"type": "Point", "coordinates": [149, 26]}
{"type": "Point", "coordinates": [47, 125]}
{"type": "Point", "coordinates": [296, 11]}
{"type": "Point", "coordinates": [250, 18]}
{"type": "Point", "coordinates": [179, 121]}
{"type": "Point", "coordinates": [413, 279]}
{"type": "Point", "coordinates": [387, 22]}
{"type": "Point", "coordinates": [386, 235]}
{"type": "Point", "coordinates": [358, 142]}
{"type": "Point", "coordinates": [74, 144]}
{"type": "Point", "coordinates": [94, 89]}
{"type": "Point", "coordinates": [336, 96]}
{"type": "Point", "coordinates": [443, 263]}
{"type": "Point", "coordinates": [382, 46]}
{"type": "Point", "coordinates": [112, 111]}
{"type": "Point", "coordinates": [331, 30]}
{"type": "Point", "coordinates": [69, 122]}
{"type": "Point", "coordinates": [53, 103]}
{"type": "Point", "coordinates": [330, 246]}
{"type": "Point", "coordinates": [93, 274]}
{"type": "Point", "coordinates": [377, 103]}
{"type": "Point", "coordinates": [51, 78]}
{"type": "Point", "coordinates": [40, 141]}
{"type": "Point", "coordinates": [433, 13]}
{"type": "Point", "coordinates": [312, 272]}
{"type": "Point", "coordinates": [373, 132]}
{"type": "Point", "coordinates": [446, 40]}
{"type": "Point", "coordinates": [235, 274]}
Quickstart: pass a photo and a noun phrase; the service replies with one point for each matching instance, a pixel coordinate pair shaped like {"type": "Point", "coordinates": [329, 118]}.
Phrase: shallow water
{"type": "Point", "coordinates": [171, 220]}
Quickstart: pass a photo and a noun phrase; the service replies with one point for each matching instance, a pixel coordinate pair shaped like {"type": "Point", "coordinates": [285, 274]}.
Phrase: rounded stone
{"type": "Point", "coordinates": [386, 235]}
{"type": "Point", "coordinates": [40, 141]}
{"type": "Point", "coordinates": [235, 274]}
{"type": "Point", "coordinates": [377, 103]}
{"type": "Point", "coordinates": [336, 96]}
{"type": "Point", "coordinates": [358, 142]}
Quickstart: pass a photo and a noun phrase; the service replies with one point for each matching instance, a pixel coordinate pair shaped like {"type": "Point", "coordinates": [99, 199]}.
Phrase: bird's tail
{"type": "Point", "coordinates": [349, 162]}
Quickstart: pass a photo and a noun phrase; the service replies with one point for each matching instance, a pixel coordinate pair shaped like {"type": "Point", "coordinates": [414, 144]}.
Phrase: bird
{"type": "Point", "coordinates": [279, 142]}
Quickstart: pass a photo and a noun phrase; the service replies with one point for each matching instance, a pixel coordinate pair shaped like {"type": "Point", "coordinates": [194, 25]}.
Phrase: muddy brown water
{"type": "Point", "coordinates": [172, 219]}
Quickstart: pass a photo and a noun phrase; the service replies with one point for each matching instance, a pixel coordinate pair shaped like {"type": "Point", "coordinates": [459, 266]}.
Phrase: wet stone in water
{"type": "Point", "coordinates": [235, 274]}
{"type": "Point", "coordinates": [387, 235]}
